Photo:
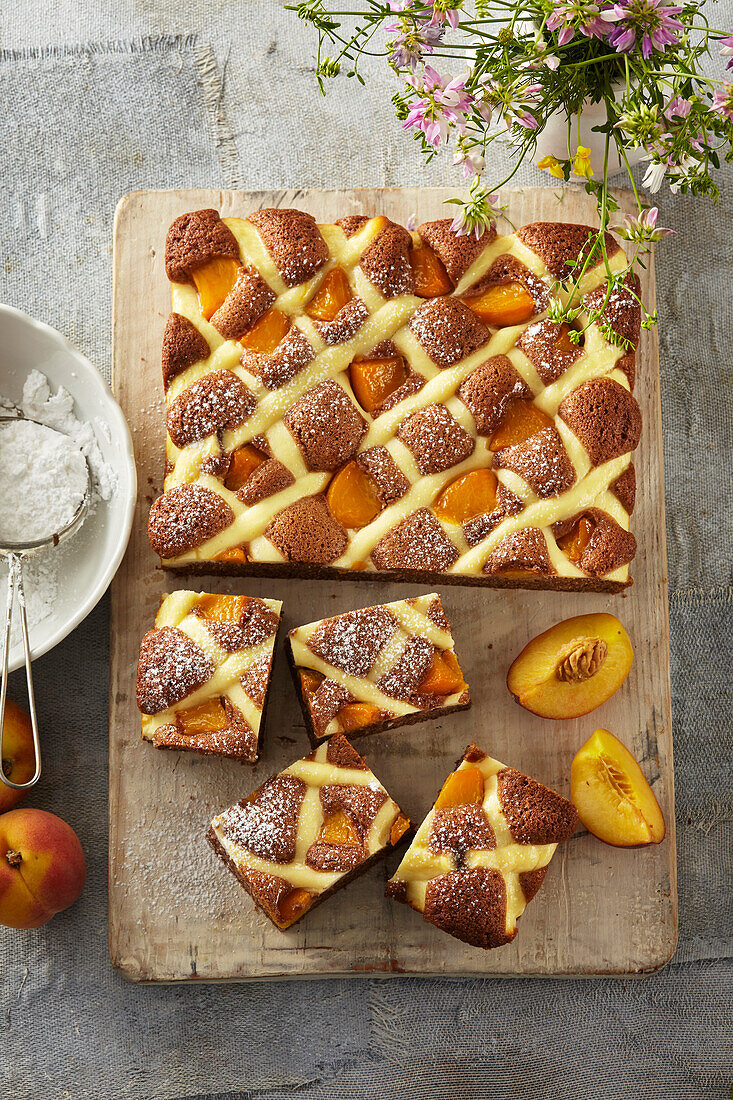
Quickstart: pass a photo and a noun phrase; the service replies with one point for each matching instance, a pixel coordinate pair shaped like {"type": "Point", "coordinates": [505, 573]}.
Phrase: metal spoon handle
{"type": "Point", "coordinates": [15, 589]}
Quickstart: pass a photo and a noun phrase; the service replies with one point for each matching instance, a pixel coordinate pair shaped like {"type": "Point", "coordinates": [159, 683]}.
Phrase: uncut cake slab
{"type": "Point", "coordinates": [173, 916]}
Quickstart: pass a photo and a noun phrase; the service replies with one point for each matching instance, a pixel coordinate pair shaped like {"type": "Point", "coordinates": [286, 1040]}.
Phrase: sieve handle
{"type": "Point", "coordinates": [15, 591]}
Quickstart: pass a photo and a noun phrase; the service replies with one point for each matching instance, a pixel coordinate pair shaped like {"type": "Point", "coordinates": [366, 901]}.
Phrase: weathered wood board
{"type": "Point", "coordinates": [174, 912]}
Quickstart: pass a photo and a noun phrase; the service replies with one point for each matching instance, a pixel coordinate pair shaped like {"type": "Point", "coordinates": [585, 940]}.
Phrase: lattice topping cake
{"type": "Point", "coordinates": [308, 831]}
{"type": "Point", "coordinates": [377, 668]}
{"type": "Point", "coordinates": [482, 852]}
{"type": "Point", "coordinates": [204, 671]}
{"type": "Point", "coordinates": [356, 397]}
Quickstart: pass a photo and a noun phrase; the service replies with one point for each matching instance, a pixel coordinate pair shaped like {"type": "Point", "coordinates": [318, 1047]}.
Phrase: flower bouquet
{"type": "Point", "coordinates": [522, 63]}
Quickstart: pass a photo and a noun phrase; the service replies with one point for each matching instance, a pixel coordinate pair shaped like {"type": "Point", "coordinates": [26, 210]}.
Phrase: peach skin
{"type": "Point", "coordinates": [612, 797]}
{"type": "Point", "coordinates": [573, 667]}
{"type": "Point", "coordinates": [19, 761]}
{"type": "Point", "coordinates": [42, 867]}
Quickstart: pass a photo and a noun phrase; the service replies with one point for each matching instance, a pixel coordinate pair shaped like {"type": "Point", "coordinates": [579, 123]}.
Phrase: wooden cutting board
{"type": "Point", "coordinates": [174, 912]}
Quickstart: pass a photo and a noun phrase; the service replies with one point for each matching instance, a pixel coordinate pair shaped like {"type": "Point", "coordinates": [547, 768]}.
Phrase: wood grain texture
{"type": "Point", "coordinates": [174, 913]}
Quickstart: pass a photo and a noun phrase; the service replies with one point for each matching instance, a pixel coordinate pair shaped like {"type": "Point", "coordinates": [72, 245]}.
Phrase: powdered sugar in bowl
{"type": "Point", "coordinates": [42, 375]}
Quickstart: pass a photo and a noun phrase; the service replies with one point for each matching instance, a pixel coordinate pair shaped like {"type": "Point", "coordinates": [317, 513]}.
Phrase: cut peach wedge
{"type": "Point", "coordinates": [573, 667]}
{"type": "Point", "coordinates": [292, 906]}
{"type": "Point", "coordinates": [612, 797]}
{"type": "Point", "coordinates": [206, 717]}
{"type": "Point", "coordinates": [503, 304]}
{"type": "Point", "coordinates": [373, 380]}
{"type": "Point", "coordinates": [463, 787]}
{"type": "Point", "coordinates": [266, 334]}
{"type": "Point", "coordinates": [444, 677]}
{"type": "Point", "coordinates": [431, 278]}
{"type": "Point", "coordinates": [352, 497]}
{"type": "Point", "coordinates": [243, 462]}
{"type": "Point", "coordinates": [337, 829]}
{"type": "Point", "coordinates": [213, 281]}
{"type": "Point", "coordinates": [469, 495]}
{"type": "Point", "coordinates": [332, 295]}
{"type": "Point", "coordinates": [355, 716]}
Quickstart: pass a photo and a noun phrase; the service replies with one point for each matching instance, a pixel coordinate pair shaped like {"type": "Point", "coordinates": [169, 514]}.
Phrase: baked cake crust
{"type": "Point", "coordinates": [474, 865]}
{"type": "Point", "coordinates": [297, 306]}
{"type": "Point", "coordinates": [204, 672]}
{"type": "Point", "coordinates": [365, 671]}
{"type": "Point", "coordinates": [308, 831]}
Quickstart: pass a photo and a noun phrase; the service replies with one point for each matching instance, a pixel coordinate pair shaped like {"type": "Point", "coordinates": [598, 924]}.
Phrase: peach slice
{"type": "Point", "coordinates": [374, 380]}
{"type": "Point", "coordinates": [19, 761]}
{"type": "Point", "coordinates": [444, 677]}
{"type": "Point", "coordinates": [431, 278]}
{"type": "Point", "coordinates": [576, 540]}
{"type": "Point", "coordinates": [266, 334]}
{"type": "Point", "coordinates": [573, 667]}
{"type": "Point", "coordinates": [293, 905]}
{"type": "Point", "coordinates": [331, 296]}
{"type": "Point", "coordinates": [352, 497]}
{"type": "Point", "coordinates": [462, 788]}
{"type": "Point", "coordinates": [503, 304]}
{"type": "Point", "coordinates": [214, 281]}
{"type": "Point", "coordinates": [469, 495]}
{"type": "Point", "coordinates": [355, 716]}
{"type": "Point", "coordinates": [243, 462]}
{"type": "Point", "coordinates": [612, 797]}
{"type": "Point", "coordinates": [399, 828]}
{"type": "Point", "coordinates": [221, 609]}
{"type": "Point", "coordinates": [310, 680]}
{"type": "Point", "coordinates": [521, 421]}
{"type": "Point", "coordinates": [337, 829]}
{"type": "Point", "coordinates": [206, 717]}
{"type": "Point", "coordinates": [234, 553]}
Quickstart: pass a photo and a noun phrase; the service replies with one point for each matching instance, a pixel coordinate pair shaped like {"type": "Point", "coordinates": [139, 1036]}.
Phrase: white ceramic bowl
{"type": "Point", "coordinates": [90, 559]}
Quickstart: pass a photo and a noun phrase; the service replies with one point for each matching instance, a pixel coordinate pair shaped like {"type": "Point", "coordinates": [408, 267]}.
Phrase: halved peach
{"type": "Point", "coordinates": [337, 829]}
{"type": "Point", "coordinates": [267, 333]}
{"type": "Point", "coordinates": [431, 278]}
{"type": "Point", "coordinates": [503, 304]}
{"type": "Point", "coordinates": [573, 667]}
{"type": "Point", "coordinates": [355, 716]}
{"type": "Point", "coordinates": [462, 787]}
{"type": "Point", "coordinates": [243, 462]}
{"type": "Point", "coordinates": [469, 495]}
{"type": "Point", "coordinates": [444, 677]}
{"type": "Point", "coordinates": [373, 380]}
{"type": "Point", "coordinates": [522, 420]}
{"type": "Point", "coordinates": [352, 497]}
{"type": "Point", "coordinates": [213, 281]}
{"type": "Point", "coordinates": [612, 797]}
{"type": "Point", "coordinates": [206, 717]}
{"type": "Point", "coordinates": [332, 295]}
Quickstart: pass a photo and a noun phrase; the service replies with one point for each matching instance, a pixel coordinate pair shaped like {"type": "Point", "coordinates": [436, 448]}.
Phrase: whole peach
{"type": "Point", "coordinates": [42, 867]}
{"type": "Point", "coordinates": [18, 757]}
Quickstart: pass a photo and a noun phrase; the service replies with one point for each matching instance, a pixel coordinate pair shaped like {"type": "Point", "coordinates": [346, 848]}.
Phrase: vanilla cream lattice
{"type": "Point", "coordinates": [378, 656]}
{"type": "Point", "coordinates": [381, 319]}
{"type": "Point", "coordinates": [511, 833]}
{"type": "Point", "coordinates": [306, 829]}
{"type": "Point", "coordinates": [204, 671]}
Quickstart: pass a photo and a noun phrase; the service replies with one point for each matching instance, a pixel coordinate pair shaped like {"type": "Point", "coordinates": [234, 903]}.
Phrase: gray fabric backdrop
{"type": "Point", "coordinates": [158, 94]}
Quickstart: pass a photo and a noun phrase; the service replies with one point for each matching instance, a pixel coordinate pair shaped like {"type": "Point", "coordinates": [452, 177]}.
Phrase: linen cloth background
{"type": "Point", "coordinates": [99, 100]}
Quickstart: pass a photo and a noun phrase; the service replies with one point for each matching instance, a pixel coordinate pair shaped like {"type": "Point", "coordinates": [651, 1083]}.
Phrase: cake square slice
{"type": "Point", "coordinates": [359, 400]}
{"type": "Point", "coordinates": [307, 831]}
{"type": "Point", "coordinates": [204, 672]}
{"type": "Point", "coordinates": [376, 668]}
{"type": "Point", "coordinates": [482, 852]}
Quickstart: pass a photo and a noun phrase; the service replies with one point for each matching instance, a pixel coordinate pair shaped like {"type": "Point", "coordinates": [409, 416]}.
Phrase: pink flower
{"type": "Point", "coordinates": [578, 16]}
{"type": "Point", "coordinates": [726, 50]}
{"type": "Point", "coordinates": [441, 16]}
{"type": "Point", "coordinates": [651, 20]}
{"type": "Point", "coordinates": [444, 104]}
{"type": "Point", "coordinates": [723, 100]}
{"type": "Point", "coordinates": [643, 227]}
{"type": "Point", "coordinates": [677, 108]}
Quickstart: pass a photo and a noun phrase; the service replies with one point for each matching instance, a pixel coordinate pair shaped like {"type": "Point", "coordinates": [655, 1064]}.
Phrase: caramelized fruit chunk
{"type": "Point", "coordinates": [444, 677]}
{"type": "Point", "coordinates": [310, 680]}
{"type": "Point", "coordinates": [352, 498]}
{"type": "Point", "coordinates": [576, 540]}
{"type": "Point", "coordinates": [521, 421]}
{"type": "Point", "coordinates": [331, 296]}
{"type": "Point", "coordinates": [243, 462]}
{"type": "Point", "coordinates": [399, 828]}
{"type": "Point", "coordinates": [462, 788]}
{"type": "Point", "coordinates": [234, 553]}
{"type": "Point", "coordinates": [612, 797]}
{"type": "Point", "coordinates": [504, 304]}
{"type": "Point", "coordinates": [264, 337]}
{"type": "Point", "coordinates": [431, 278]}
{"type": "Point", "coordinates": [293, 904]}
{"type": "Point", "coordinates": [222, 609]}
{"type": "Point", "coordinates": [207, 717]}
{"type": "Point", "coordinates": [373, 380]}
{"type": "Point", "coordinates": [338, 829]}
{"type": "Point", "coordinates": [469, 495]}
{"type": "Point", "coordinates": [356, 715]}
{"type": "Point", "coordinates": [573, 667]}
{"type": "Point", "coordinates": [214, 281]}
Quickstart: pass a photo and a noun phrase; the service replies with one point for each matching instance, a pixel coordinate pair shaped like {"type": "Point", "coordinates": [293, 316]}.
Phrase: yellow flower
{"type": "Point", "coordinates": [581, 162]}
{"type": "Point", "coordinates": [553, 166]}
